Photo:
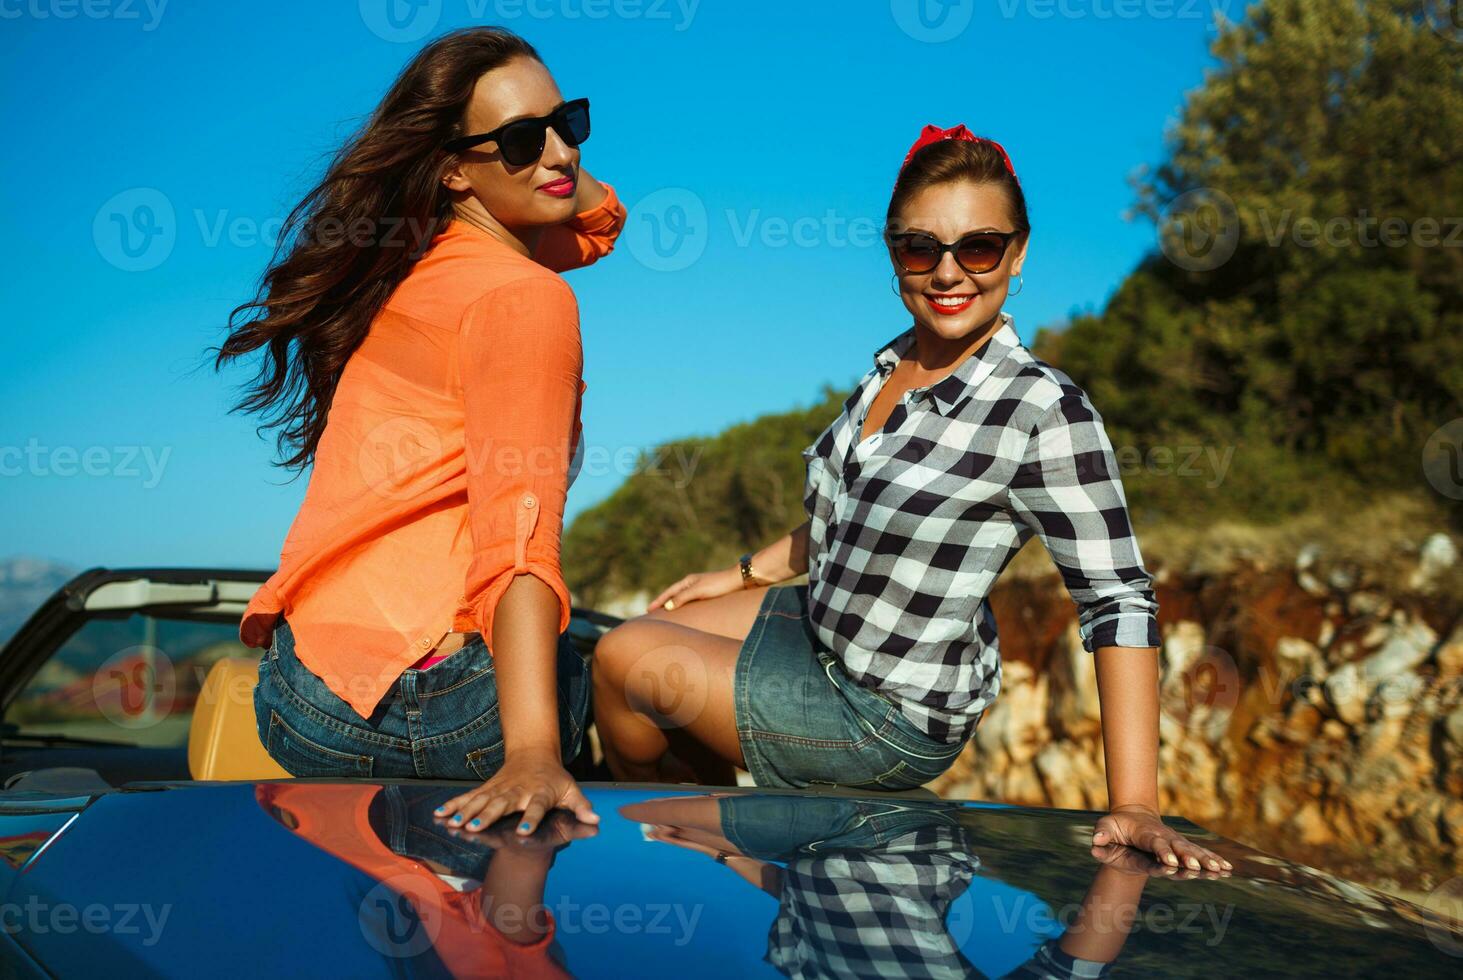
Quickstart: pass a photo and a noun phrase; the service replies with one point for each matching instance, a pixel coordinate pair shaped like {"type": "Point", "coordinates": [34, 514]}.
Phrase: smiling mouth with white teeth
{"type": "Point", "coordinates": [951, 300]}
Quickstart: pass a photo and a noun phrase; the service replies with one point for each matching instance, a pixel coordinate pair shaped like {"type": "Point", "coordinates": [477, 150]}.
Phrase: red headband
{"type": "Point", "coordinates": [934, 134]}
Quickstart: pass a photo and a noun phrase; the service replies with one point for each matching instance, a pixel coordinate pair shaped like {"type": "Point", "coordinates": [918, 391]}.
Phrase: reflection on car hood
{"type": "Point", "coordinates": [358, 879]}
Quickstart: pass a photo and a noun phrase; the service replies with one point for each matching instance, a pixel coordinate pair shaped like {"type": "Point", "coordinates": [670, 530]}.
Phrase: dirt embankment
{"type": "Point", "coordinates": [1312, 708]}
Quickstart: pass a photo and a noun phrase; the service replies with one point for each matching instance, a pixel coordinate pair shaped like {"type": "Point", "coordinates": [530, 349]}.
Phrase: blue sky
{"type": "Point", "coordinates": [758, 140]}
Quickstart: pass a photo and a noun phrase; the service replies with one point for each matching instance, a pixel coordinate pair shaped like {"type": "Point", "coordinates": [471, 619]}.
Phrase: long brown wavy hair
{"type": "Point", "coordinates": [355, 236]}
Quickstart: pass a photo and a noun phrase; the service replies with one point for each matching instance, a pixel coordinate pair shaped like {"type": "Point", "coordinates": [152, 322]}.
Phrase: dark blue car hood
{"type": "Point", "coordinates": [251, 879]}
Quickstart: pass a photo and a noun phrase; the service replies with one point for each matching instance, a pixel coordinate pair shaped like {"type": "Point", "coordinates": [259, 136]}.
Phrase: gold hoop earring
{"type": "Point", "coordinates": [1020, 285]}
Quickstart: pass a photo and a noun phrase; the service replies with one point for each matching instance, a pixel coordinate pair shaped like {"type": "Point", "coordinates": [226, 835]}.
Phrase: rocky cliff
{"type": "Point", "coordinates": [1314, 709]}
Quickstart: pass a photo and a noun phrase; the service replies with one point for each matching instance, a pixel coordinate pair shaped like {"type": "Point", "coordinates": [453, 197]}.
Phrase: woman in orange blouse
{"type": "Point", "coordinates": [424, 355]}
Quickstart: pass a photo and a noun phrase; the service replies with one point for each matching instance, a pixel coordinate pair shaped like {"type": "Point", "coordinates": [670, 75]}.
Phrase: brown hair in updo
{"type": "Point", "coordinates": [950, 160]}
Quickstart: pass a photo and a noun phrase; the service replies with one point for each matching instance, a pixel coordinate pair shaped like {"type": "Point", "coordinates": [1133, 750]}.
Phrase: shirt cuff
{"type": "Point", "coordinates": [604, 218]}
{"type": "Point", "coordinates": [545, 572]}
{"type": "Point", "coordinates": [1134, 628]}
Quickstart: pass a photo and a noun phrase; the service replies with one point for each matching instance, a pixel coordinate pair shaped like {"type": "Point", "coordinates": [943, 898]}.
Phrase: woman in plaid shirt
{"type": "Point", "coordinates": [955, 448]}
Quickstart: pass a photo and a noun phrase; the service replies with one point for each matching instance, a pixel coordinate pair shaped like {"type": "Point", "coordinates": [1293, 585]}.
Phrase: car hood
{"type": "Point", "coordinates": [360, 879]}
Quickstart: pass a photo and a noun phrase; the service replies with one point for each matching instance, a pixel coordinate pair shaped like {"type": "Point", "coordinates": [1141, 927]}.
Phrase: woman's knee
{"type": "Point", "coordinates": [613, 655]}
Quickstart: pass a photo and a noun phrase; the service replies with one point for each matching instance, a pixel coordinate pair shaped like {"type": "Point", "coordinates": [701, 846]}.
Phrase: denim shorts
{"type": "Point", "coordinates": [437, 723]}
{"type": "Point", "coordinates": [780, 828]}
{"type": "Point", "coordinates": [803, 721]}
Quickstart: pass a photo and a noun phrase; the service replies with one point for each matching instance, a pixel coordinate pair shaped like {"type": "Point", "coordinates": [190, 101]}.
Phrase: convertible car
{"type": "Point", "coordinates": [146, 833]}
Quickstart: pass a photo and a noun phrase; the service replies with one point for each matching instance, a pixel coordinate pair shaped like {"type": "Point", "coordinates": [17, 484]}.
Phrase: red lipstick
{"type": "Point", "coordinates": [560, 187]}
{"type": "Point", "coordinates": [948, 309]}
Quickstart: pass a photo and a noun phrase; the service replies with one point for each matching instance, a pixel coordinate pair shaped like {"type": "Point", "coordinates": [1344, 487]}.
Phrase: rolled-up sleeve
{"type": "Point", "coordinates": [584, 239]}
{"type": "Point", "coordinates": [521, 362]}
{"type": "Point", "coordinates": [1068, 491]}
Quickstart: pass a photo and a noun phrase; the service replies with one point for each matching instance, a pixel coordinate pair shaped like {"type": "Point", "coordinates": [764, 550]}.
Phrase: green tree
{"type": "Point", "coordinates": [1306, 305]}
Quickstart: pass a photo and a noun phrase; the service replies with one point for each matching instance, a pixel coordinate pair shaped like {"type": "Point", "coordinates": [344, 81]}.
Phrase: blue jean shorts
{"type": "Point", "coordinates": [438, 723]}
{"type": "Point", "coordinates": [802, 721]}
{"type": "Point", "coordinates": [780, 828]}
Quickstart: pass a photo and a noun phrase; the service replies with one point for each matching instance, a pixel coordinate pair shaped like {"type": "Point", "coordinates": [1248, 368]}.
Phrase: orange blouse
{"type": "Point", "coordinates": [445, 462]}
{"type": "Point", "coordinates": [337, 819]}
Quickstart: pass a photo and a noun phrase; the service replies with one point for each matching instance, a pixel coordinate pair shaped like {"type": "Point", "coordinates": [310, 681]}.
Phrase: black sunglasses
{"type": "Point", "coordinates": [919, 253]}
{"type": "Point", "coordinates": [521, 142]}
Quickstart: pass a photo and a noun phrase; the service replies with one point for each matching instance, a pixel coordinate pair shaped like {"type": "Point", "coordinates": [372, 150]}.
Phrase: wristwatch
{"type": "Point", "coordinates": [748, 576]}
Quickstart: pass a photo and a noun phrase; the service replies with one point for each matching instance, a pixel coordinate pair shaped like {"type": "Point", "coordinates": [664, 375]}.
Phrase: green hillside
{"type": "Point", "coordinates": [1294, 344]}
{"type": "Point", "coordinates": [699, 504]}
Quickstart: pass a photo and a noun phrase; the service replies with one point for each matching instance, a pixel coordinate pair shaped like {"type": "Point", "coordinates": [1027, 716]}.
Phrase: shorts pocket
{"type": "Point", "coordinates": [902, 776]}
{"type": "Point", "coordinates": [301, 756]}
{"type": "Point", "coordinates": [486, 762]}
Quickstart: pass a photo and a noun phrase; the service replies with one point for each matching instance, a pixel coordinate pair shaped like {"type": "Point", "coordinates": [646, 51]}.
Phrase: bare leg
{"type": "Point", "coordinates": [659, 683]}
{"type": "Point", "coordinates": [726, 615]}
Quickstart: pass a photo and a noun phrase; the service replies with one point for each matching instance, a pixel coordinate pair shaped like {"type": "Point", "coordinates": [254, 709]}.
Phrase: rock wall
{"type": "Point", "coordinates": [1313, 711]}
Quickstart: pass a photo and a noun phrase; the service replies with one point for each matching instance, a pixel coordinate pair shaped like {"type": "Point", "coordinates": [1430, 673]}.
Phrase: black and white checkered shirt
{"type": "Point", "coordinates": [911, 527]}
{"type": "Point", "coordinates": [874, 911]}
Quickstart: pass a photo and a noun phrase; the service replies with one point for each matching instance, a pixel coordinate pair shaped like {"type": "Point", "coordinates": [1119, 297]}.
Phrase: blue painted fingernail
{"type": "Point", "coordinates": [441, 809]}
{"type": "Point", "coordinates": [524, 826]}
{"type": "Point", "coordinates": [474, 822]}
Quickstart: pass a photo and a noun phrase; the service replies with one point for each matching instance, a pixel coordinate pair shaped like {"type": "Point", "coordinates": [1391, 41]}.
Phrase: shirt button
{"type": "Point", "coordinates": [528, 501]}
{"type": "Point", "coordinates": [424, 642]}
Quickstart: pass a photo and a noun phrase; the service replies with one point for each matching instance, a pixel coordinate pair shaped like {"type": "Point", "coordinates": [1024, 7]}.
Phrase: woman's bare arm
{"type": "Point", "coordinates": [1127, 690]}
{"type": "Point", "coordinates": [785, 558]}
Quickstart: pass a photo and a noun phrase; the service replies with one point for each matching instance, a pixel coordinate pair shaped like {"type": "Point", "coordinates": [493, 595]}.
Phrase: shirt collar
{"type": "Point", "coordinates": [951, 392]}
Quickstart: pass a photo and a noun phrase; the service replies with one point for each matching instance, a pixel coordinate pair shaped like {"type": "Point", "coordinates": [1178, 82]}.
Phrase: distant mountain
{"type": "Point", "coordinates": [25, 583]}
